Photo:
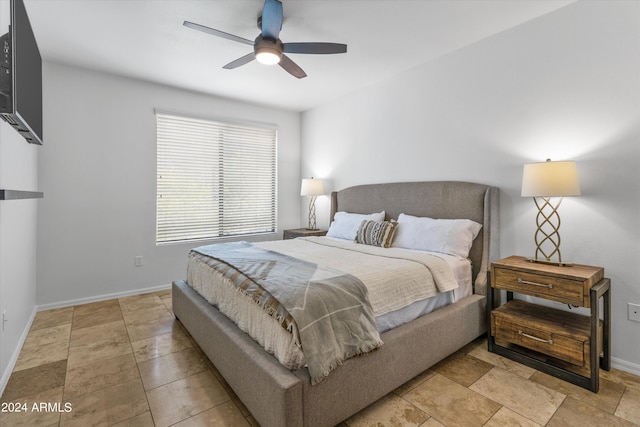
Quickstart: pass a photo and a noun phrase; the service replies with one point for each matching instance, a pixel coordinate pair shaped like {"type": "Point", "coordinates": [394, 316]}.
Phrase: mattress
{"type": "Point", "coordinates": [379, 269]}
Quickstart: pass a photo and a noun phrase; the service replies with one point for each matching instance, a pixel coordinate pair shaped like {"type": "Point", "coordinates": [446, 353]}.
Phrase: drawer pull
{"type": "Point", "coordinates": [543, 285]}
{"type": "Point", "coordinates": [549, 341]}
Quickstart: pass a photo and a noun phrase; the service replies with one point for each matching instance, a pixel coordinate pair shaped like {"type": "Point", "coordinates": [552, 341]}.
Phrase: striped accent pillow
{"type": "Point", "coordinates": [376, 233]}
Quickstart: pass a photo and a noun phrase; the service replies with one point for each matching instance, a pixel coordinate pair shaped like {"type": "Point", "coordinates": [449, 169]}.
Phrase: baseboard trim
{"type": "Point", "coordinates": [16, 353]}
{"type": "Point", "coordinates": [623, 365]}
{"type": "Point", "coordinates": [104, 297]}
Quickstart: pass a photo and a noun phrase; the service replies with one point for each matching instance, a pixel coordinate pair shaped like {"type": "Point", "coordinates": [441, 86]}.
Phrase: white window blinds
{"type": "Point", "coordinates": [214, 179]}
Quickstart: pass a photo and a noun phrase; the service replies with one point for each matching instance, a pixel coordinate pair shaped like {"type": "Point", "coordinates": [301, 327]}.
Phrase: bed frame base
{"type": "Point", "coordinates": [278, 397]}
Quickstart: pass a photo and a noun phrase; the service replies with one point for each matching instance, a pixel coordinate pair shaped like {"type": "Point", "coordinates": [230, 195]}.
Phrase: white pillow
{"type": "Point", "coordinates": [345, 225]}
{"type": "Point", "coordinates": [449, 236]}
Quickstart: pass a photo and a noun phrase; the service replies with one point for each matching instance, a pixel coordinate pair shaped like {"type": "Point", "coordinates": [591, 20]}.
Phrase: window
{"type": "Point", "coordinates": [214, 179]}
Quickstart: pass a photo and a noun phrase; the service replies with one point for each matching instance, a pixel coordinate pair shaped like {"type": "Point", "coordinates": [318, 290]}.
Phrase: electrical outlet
{"type": "Point", "coordinates": [634, 312]}
{"type": "Point", "coordinates": [138, 261]}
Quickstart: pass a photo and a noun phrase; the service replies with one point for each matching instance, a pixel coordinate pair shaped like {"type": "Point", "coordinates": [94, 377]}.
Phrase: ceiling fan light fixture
{"type": "Point", "coordinates": [268, 51]}
{"type": "Point", "coordinates": [268, 56]}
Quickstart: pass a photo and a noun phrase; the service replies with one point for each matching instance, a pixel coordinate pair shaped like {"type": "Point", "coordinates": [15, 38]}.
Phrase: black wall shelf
{"type": "Point", "coordinates": [17, 194]}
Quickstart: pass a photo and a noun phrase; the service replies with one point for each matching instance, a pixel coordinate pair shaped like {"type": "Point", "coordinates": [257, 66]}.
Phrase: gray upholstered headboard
{"type": "Point", "coordinates": [436, 199]}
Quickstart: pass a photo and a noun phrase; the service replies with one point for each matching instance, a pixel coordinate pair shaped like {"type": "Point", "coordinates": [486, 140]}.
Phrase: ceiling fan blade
{"type": "Point", "coordinates": [240, 61]}
{"type": "Point", "coordinates": [217, 33]}
{"type": "Point", "coordinates": [291, 67]}
{"type": "Point", "coordinates": [315, 48]}
{"type": "Point", "coordinates": [271, 19]}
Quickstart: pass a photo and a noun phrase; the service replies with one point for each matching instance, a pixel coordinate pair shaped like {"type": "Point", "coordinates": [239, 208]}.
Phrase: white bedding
{"type": "Point", "coordinates": [461, 270]}
{"type": "Point", "coordinates": [400, 288]}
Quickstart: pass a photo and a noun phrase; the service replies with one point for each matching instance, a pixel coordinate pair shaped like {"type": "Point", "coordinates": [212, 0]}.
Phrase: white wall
{"type": "Point", "coordinates": [98, 171]}
{"type": "Point", "coordinates": [563, 86]}
{"type": "Point", "coordinates": [18, 171]}
{"type": "Point", "coordinates": [18, 222]}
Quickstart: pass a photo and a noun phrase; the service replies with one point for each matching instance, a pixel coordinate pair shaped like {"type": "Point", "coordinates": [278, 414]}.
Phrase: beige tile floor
{"type": "Point", "coordinates": [128, 362]}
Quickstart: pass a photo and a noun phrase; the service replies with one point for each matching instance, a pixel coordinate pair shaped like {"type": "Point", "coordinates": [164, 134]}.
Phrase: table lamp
{"type": "Point", "coordinates": [312, 188]}
{"type": "Point", "coordinates": [542, 181]}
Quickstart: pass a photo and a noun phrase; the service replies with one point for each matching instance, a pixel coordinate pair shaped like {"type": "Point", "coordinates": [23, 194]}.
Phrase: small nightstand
{"type": "Point", "coordinates": [302, 232]}
{"type": "Point", "coordinates": [567, 345]}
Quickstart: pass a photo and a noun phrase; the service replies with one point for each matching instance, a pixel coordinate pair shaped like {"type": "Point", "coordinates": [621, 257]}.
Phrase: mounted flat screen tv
{"type": "Point", "coordinates": [21, 76]}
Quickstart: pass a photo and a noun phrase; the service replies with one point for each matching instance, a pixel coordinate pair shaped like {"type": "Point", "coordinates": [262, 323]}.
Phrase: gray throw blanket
{"type": "Point", "coordinates": [331, 309]}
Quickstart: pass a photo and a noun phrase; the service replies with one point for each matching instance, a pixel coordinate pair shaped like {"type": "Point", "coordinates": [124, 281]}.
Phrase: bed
{"type": "Point", "coordinates": [278, 396]}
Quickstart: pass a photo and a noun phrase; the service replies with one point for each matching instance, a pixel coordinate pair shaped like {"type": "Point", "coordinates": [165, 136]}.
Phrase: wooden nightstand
{"type": "Point", "coordinates": [568, 345]}
{"type": "Point", "coordinates": [302, 232]}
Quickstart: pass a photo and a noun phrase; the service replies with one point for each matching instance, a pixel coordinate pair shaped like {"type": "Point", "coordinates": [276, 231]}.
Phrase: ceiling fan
{"type": "Point", "coordinates": [267, 47]}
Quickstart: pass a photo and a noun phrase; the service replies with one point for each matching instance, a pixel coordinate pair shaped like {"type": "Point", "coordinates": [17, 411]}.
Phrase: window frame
{"type": "Point", "coordinates": [229, 132]}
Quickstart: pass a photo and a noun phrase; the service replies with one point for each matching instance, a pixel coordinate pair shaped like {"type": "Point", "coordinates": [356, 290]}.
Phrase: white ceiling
{"type": "Point", "coordinates": [146, 39]}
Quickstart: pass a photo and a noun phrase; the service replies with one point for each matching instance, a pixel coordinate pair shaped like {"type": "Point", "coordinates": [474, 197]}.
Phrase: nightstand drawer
{"type": "Point", "coordinates": [558, 289]}
{"type": "Point", "coordinates": [550, 343]}
{"type": "Point", "coordinates": [567, 284]}
{"type": "Point", "coordinates": [556, 333]}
